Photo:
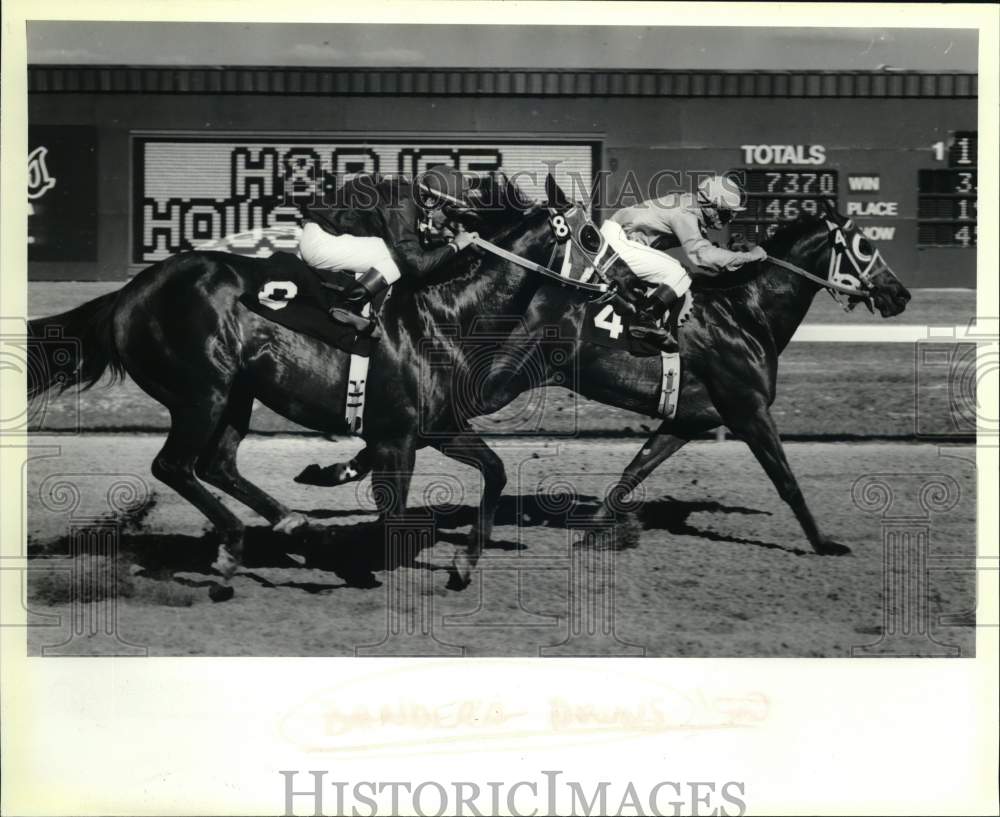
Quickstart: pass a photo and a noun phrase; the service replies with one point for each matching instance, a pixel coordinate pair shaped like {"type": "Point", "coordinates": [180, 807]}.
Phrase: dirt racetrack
{"type": "Point", "coordinates": [720, 567]}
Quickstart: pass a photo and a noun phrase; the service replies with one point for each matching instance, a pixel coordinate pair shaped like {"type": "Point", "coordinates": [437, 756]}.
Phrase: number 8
{"type": "Point", "coordinates": [559, 227]}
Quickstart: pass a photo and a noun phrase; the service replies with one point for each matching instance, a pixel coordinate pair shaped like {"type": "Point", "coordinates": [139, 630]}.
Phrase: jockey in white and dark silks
{"type": "Point", "coordinates": [639, 234]}
{"type": "Point", "coordinates": [385, 228]}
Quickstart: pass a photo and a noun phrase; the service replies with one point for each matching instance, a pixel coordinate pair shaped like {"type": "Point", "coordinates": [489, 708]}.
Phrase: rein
{"type": "Point", "coordinates": [562, 279]}
{"type": "Point", "coordinates": [823, 282]}
{"type": "Point", "coordinates": [514, 258]}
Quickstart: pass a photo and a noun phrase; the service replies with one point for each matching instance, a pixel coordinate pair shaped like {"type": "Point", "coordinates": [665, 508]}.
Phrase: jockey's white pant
{"type": "Point", "coordinates": [650, 265]}
{"type": "Point", "coordinates": [350, 253]}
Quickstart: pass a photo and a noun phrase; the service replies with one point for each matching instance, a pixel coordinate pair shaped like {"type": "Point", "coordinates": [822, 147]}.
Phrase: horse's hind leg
{"type": "Point", "coordinates": [470, 449]}
{"type": "Point", "coordinates": [190, 431]}
{"type": "Point", "coordinates": [217, 464]}
{"type": "Point", "coordinates": [656, 450]}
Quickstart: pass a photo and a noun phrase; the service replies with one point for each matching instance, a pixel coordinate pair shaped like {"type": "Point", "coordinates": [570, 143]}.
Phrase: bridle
{"type": "Point", "coordinates": [843, 284]}
{"type": "Point", "coordinates": [587, 240]}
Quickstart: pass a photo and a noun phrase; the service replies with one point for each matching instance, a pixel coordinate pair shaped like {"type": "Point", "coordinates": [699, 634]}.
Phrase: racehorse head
{"type": "Point", "coordinates": [855, 263]}
{"type": "Point", "coordinates": [587, 251]}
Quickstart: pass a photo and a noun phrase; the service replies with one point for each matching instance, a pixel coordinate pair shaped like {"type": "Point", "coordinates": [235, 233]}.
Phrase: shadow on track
{"type": "Point", "coordinates": [354, 552]}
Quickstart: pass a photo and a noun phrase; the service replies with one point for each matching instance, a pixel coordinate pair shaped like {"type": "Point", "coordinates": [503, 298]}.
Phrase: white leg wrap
{"type": "Point", "coordinates": [225, 563]}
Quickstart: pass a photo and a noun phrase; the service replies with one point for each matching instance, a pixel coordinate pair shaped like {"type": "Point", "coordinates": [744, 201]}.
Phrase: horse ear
{"type": "Point", "coordinates": [831, 211]}
{"type": "Point", "coordinates": [554, 195]}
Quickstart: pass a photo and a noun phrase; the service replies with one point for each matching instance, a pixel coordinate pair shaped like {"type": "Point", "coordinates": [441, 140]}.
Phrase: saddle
{"type": "Point", "coordinates": [647, 337]}
{"type": "Point", "coordinates": [312, 301]}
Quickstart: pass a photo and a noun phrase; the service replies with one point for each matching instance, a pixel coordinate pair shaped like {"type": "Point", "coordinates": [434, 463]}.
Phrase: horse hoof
{"type": "Point", "coordinates": [329, 477]}
{"type": "Point", "coordinates": [221, 592]}
{"type": "Point", "coordinates": [362, 580]}
{"type": "Point", "coordinates": [460, 574]}
{"type": "Point", "coordinates": [832, 549]}
{"type": "Point", "coordinates": [290, 522]}
{"type": "Point", "coordinates": [308, 475]}
{"type": "Point", "coordinates": [622, 535]}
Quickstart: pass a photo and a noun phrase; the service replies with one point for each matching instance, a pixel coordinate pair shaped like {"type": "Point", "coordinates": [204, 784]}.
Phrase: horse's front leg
{"type": "Point", "coordinates": [470, 449]}
{"type": "Point", "coordinates": [759, 432]}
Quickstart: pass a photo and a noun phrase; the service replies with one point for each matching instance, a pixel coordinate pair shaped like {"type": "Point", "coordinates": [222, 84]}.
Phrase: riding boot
{"type": "Point", "coordinates": [366, 288]}
{"type": "Point", "coordinates": [651, 313]}
{"type": "Point", "coordinates": [360, 295]}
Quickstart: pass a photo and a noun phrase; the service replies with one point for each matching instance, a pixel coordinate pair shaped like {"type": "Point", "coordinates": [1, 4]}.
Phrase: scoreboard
{"type": "Point", "coordinates": [915, 197]}
{"type": "Point", "coordinates": [918, 203]}
{"type": "Point", "coordinates": [946, 210]}
{"type": "Point", "coordinates": [777, 196]}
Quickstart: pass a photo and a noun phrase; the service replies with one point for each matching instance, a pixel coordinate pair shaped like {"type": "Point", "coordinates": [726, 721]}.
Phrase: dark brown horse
{"type": "Point", "coordinates": [209, 366]}
{"type": "Point", "coordinates": [179, 330]}
{"type": "Point", "coordinates": [729, 349]}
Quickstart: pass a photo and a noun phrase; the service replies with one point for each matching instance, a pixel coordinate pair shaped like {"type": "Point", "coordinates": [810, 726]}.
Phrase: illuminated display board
{"type": "Point", "coordinates": [189, 191]}
{"type": "Point", "coordinates": [911, 189]}
{"type": "Point", "coordinates": [946, 198]}
{"type": "Point", "coordinates": [778, 196]}
{"type": "Point", "coordinates": [942, 214]}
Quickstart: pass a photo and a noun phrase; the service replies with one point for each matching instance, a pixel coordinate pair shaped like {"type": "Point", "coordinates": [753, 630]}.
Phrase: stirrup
{"type": "Point", "coordinates": [645, 331]}
{"type": "Point", "coordinates": [365, 327]}
{"type": "Point", "coordinates": [658, 335]}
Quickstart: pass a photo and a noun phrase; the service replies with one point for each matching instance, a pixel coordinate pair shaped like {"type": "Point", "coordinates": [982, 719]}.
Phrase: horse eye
{"type": "Point", "coordinates": [590, 239]}
{"type": "Point", "coordinates": [862, 248]}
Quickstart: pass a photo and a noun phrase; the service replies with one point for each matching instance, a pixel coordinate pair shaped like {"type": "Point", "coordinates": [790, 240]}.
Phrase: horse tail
{"type": "Point", "coordinates": [74, 348]}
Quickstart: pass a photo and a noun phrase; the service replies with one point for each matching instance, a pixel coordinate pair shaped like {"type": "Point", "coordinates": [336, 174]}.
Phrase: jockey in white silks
{"type": "Point", "coordinates": [639, 233]}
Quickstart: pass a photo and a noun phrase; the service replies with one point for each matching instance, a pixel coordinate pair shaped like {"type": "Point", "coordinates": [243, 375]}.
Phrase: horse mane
{"type": "Point", "coordinates": [499, 204]}
{"type": "Point", "coordinates": [778, 245]}
{"type": "Point", "coordinates": [788, 234]}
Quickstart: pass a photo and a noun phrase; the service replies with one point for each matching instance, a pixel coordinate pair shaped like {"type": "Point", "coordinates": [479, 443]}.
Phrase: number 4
{"type": "Point", "coordinates": [614, 326]}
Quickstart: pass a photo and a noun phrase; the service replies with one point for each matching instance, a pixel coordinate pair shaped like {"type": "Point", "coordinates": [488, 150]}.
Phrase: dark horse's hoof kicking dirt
{"type": "Point", "coordinates": [220, 592]}
{"type": "Point", "coordinates": [456, 581]}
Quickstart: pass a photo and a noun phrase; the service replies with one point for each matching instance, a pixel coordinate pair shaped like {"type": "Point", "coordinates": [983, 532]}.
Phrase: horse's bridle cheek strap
{"type": "Point", "coordinates": [860, 278]}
